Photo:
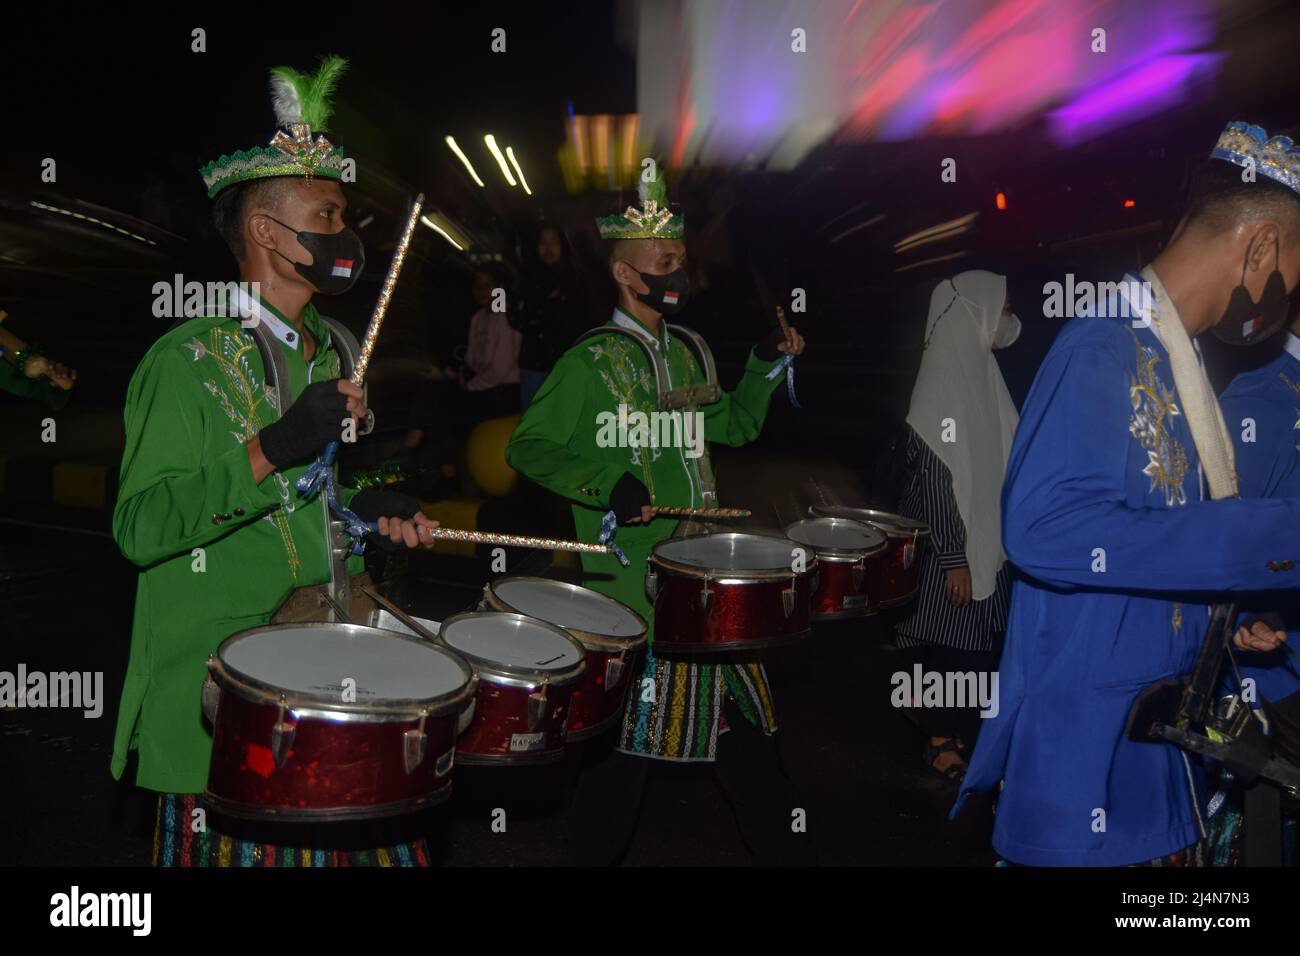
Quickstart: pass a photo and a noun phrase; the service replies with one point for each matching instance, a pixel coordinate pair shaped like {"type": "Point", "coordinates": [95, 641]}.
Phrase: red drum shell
{"type": "Point", "coordinates": [501, 733]}
{"type": "Point", "coordinates": [746, 609]}
{"type": "Point", "coordinates": [340, 764]}
{"type": "Point", "coordinates": [845, 575]}
{"type": "Point", "coordinates": [597, 703]}
{"type": "Point", "coordinates": [894, 575]}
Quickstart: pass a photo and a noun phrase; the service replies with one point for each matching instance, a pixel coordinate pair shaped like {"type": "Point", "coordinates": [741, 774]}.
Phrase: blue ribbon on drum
{"type": "Point", "coordinates": [608, 528]}
{"type": "Point", "coordinates": [786, 365]}
{"type": "Point", "coordinates": [320, 476]}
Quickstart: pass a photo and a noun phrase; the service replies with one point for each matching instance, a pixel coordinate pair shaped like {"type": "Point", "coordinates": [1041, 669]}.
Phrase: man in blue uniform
{"type": "Point", "coordinates": [1107, 517]}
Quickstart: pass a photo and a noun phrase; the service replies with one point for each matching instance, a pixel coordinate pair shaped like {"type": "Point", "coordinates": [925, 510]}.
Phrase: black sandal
{"type": "Point", "coordinates": [956, 772]}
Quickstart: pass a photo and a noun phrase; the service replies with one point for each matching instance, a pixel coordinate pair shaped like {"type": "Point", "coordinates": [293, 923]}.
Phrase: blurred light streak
{"type": "Point", "coordinates": [1159, 84]}
{"type": "Point", "coordinates": [442, 232]}
{"type": "Point", "coordinates": [878, 217]}
{"type": "Point", "coordinates": [501, 160]}
{"type": "Point", "coordinates": [98, 222]}
{"type": "Point", "coordinates": [510, 154]}
{"type": "Point", "coordinates": [451, 141]}
{"type": "Point", "coordinates": [719, 81]}
{"type": "Point", "coordinates": [927, 262]}
{"type": "Point", "coordinates": [943, 230]}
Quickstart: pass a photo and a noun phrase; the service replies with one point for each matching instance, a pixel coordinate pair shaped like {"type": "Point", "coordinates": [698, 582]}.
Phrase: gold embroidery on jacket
{"type": "Point", "coordinates": [243, 397]}
{"type": "Point", "coordinates": [1153, 407]}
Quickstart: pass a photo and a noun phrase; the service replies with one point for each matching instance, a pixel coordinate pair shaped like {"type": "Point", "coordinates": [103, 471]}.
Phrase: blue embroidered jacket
{"type": "Point", "coordinates": [1116, 553]}
{"type": "Point", "coordinates": [1262, 411]}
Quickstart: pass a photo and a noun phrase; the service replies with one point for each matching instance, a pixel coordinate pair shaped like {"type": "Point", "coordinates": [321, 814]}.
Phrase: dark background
{"type": "Point", "coordinates": [130, 114]}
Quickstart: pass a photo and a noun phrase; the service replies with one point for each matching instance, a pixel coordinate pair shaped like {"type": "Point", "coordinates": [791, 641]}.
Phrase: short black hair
{"type": "Point", "coordinates": [1219, 199]}
{"type": "Point", "coordinates": [230, 208]}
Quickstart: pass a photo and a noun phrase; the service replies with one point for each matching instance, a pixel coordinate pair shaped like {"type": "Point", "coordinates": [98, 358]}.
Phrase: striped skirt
{"type": "Point", "coordinates": [184, 835]}
{"type": "Point", "coordinates": [675, 708]}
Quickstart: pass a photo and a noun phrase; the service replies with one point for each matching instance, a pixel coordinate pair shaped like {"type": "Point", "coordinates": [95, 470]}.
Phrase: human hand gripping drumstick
{"type": "Point", "coordinates": [36, 365]}
{"type": "Point", "coordinates": [793, 344]}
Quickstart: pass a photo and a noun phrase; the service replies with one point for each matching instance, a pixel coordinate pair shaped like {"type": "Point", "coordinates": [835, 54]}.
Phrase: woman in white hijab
{"type": "Point", "coordinates": [961, 422]}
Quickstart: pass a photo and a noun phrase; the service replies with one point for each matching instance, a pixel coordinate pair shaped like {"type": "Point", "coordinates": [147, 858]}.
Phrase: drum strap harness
{"type": "Point", "coordinates": [686, 398]}
{"type": "Point", "coordinates": [343, 534]}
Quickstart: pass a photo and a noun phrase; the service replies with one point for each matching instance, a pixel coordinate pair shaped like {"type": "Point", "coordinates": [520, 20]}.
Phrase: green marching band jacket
{"type": "Point", "coordinates": [217, 552]}
{"type": "Point", "coordinates": [560, 444]}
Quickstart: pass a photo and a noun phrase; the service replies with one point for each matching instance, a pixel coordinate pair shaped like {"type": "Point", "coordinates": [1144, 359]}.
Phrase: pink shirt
{"type": "Point", "coordinates": [493, 351]}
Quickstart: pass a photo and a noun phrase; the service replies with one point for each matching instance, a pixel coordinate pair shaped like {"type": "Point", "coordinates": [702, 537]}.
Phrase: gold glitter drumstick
{"type": "Point", "coordinates": [514, 540]}
{"type": "Point", "coordinates": [701, 512]}
{"type": "Point", "coordinates": [386, 293]}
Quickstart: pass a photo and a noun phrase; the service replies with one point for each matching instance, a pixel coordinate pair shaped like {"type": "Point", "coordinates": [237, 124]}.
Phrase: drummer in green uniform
{"type": "Point", "coordinates": [715, 709]}
{"type": "Point", "coordinates": [207, 506]}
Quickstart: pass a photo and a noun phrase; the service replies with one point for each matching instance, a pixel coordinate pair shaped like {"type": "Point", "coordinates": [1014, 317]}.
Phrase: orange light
{"type": "Point", "coordinates": [1129, 204]}
{"type": "Point", "coordinates": [1000, 200]}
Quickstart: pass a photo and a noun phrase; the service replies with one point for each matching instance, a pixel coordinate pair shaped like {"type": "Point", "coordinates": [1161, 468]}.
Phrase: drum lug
{"type": "Point", "coordinates": [415, 746]}
{"type": "Point", "coordinates": [614, 671]}
{"type": "Point", "coordinates": [483, 601]}
{"type": "Point", "coordinates": [787, 598]}
{"type": "Point", "coordinates": [445, 762]}
{"type": "Point", "coordinates": [536, 707]}
{"type": "Point", "coordinates": [466, 717]}
{"type": "Point", "coordinates": [651, 583]}
{"type": "Point", "coordinates": [211, 699]}
{"type": "Point", "coordinates": [705, 594]}
{"type": "Point", "coordinates": [859, 572]}
{"type": "Point", "coordinates": [282, 735]}
{"type": "Point", "coordinates": [909, 552]}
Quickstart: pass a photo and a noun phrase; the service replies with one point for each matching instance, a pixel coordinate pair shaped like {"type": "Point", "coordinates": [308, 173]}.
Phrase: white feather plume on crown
{"type": "Point", "coordinates": [285, 101]}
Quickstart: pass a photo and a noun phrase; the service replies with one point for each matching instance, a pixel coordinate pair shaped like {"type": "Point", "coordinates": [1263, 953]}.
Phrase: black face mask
{"type": "Point", "coordinates": [336, 259]}
{"type": "Point", "coordinates": [1245, 321]}
{"type": "Point", "coordinates": [668, 293]}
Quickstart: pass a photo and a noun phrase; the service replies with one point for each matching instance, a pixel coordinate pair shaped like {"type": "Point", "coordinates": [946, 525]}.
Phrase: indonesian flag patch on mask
{"type": "Point", "coordinates": [342, 267]}
{"type": "Point", "coordinates": [670, 297]}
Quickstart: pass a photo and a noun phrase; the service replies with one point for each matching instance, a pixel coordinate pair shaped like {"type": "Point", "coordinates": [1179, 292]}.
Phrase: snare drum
{"type": "Point", "coordinates": [845, 550]}
{"type": "Point", "coordinates": [528, 671]}
{"type": "Point", "coordinates": [324, 722]}
{"type": "Point", "coordinates": [895, 574]}
{"type": "Point", "coordinates": [728, 592]}
{"type": "Point", "coordinates": [612, 634]}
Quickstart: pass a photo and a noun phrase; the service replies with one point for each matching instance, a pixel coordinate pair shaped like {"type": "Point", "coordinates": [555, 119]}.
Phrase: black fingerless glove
{"type": "Point", "coordinates": [371, 504]}
{"type": "Point", "coordinates": [766, 349]}
{"type": "Point", "coordinates": [311, 423]}
{"type": "Point", "coordinates": [627, 498]}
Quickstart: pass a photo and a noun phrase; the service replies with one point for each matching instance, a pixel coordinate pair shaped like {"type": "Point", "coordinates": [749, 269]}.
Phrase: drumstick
{"type": "Point", "coordinates": [785, 326]}
{"type": "Point", "coordinates": [401, 615]}
{"type": "Point", "coordinates": [671, 512]}
{"type": "Point", "coordinates": [386, 293]}
{"type": "Point", "coordinates": [514, 540]}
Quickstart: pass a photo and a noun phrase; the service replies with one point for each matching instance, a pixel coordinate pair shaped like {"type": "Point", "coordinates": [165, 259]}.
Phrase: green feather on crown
{"type": "Point", "coordinates": [302, 105]}
{"type": "Point", "coordinates": [654, 220]}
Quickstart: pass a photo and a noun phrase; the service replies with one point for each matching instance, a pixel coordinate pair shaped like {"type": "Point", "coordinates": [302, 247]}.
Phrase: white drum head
{"type": "Point", "coordinates": [569, 606]}
{"type": "Point", "coordinates": [728, 552]}
{"type": "Point", "coordinates": [511, 641]}
{"type": "Point", "coordinates": [315, 659]}
{"type": "Point", "coordinates": [836, 534]}
{"type": "Point", "coordinates": [891, 524]}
